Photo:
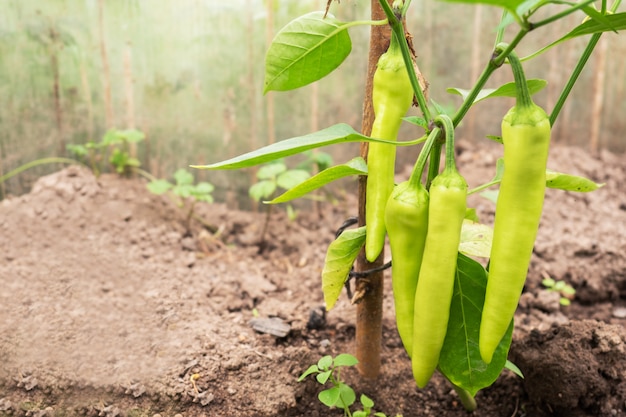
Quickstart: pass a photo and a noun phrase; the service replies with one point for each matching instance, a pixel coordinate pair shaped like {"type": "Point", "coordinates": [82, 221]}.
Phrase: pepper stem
{"type": "Point", "coordinates": [523, 94]}
{"type": "Point", "coordinates": [420, 164]}
{"type": "Point", "coordinates": [448, 127]}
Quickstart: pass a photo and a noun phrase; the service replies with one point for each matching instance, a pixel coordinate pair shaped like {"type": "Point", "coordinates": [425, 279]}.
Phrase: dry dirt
{"type": "Point", "coordinates": [109, 305]}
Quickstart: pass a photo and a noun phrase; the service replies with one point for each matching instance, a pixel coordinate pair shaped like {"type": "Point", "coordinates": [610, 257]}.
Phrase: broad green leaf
{"type": "Point", "coordinates": [339, 133]}
{"type": "Point", "coordinates": [311, 370]}
{"type": "Point", "coordinates": [262, 189]}
{"type": "Point", "coordinates": [347, 397]}
{"type": "Point", "coordinates": [111, 137]}
{"type": "Point", "coordinates": [356, 166]}
{"type": "Point", "coordinates": [325, 362]}
{"type": "Point", "coordinates": [270, 171]}
{"type": "Point", "coordinates": [615, 22]}
{"type": "Point", "coordinates": [292, 178]}
{"type": "Point", "coordinates": [183, 190]}
{"type": "Point", "coordinates": [159, 186]}
{"type": "Point", "coordinates": [183, 177]}
{"type": "Point", "coordinates": [340, 257]}
{"type": "Point", "coordinates": [329, 397]}
{"type": "Point", "coordinates": [204, 188]}
{"type": "Point", "coordinates": [570, 182]}
{"type": "Point", "coordinates": [345, 359]}
{"type": "Point", "coordinates": [366, 401]}
{"type": "Point", "coordinates": [506, 90]}
{"type": "Point", "coordinates": [476, 239]}
{"type": "Point", "coordinates": [306, 50]}
{"type": "Point", "coordinates": [460, 359]}
{"type": "Point", "coordinates": [131, 135]}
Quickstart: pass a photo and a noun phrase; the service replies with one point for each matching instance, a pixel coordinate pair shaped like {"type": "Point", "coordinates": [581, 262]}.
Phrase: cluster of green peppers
{"type": "Point", "coordinates": [424, 226]}
{"type": "Point", "coordinates": [424, 230]}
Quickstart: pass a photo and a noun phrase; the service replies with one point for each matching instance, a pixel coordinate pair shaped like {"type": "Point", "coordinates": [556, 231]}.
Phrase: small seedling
{"type": "Point", "coordinates": [340, 395]}
{"type": "Point", "coordinates": [117, 143]}
{"type": "Point", "coordinates": [274, 176]}
{"type": "Point", "coordinates": [184, 188]}
{"type": "Point", "coordinates": [566, 291]}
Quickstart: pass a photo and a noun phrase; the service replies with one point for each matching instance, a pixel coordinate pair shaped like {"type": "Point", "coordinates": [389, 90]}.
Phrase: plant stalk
{"type": "Point", "coordinates": [468, 401]}
{"type": "Point", "coordinates": [577, 71]}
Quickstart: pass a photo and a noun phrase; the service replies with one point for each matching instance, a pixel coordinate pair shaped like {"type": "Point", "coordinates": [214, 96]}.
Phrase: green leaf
{"type": "Point", "coordinates": [159, 186]}
{"type": "Point", "coordinates": [111, 137]}
{"type": "Point", "coordinates": [612, 22]}
{"type": "Point", "coordinates": [339, 133]}
{"type": "Point", "coordinates": [262, 190]}
{"type": "Point", "coordinates": [77, 149]}
{"type": "Point", "coordinates": [306, 50]}
{"type": "Point", "coordinates": [366, 401]}
{"type": "Point", "coordinates": [325, 362]}
{"type": "Point", "coordinates": [203, 188]}
{"type": "Point", "coordinates": [470, 214]}
{"type": "Point", "coordinates": [499, 170]}
{"type": "Point", "coordinates": [460, 359]}
{"type": "Point", "coordinates": [570, 182]}
{"type": "Point", "coordinates": [506, 90]}
{"type": "Point", "coordinates": [356, 166]}
{"type": "Point", "coordinates": [183, 177]}
{"type": "Point", "coordinates": [322, 160]}
{"type": "Point", "coordinates": [345, 359]}
{"type": "Point", "coordinates": [491, 195]}
{"type": "Point", "coordinates": [510, 5]}
{"type": "Point", "coordinates": [512, 367]}
{"type": "Point", "coordinates": [329, 397]}
{"type": "Point", "coordinates": [347, 397]}
{"type": "Point", "coordinates": [131, 135]}
{"type": "Point", "coordinates": [271, 171]}
{"type": "Point", "coordinates": [292, 178]}
{"type": "Point", "coordinates": [322, 377]}
{"type": "Point", "coordinates": [416, 120]}
{"type": "Point", "coordinates": [340, 257]}
{"type": "Point", "coordinates": [476, 239]}
{"type": "Point", "coordinates": [311, 370]}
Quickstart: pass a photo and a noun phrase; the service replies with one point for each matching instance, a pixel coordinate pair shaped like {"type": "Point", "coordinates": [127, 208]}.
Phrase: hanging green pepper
{"type": "Point", "coordinates": [526, 139]}
{"type": "Point", "coordinates": [406, 219]}
{"type": "Point", "coordinates": [392, 96]}
{"type": "Point", "coordinates": [448, 195]}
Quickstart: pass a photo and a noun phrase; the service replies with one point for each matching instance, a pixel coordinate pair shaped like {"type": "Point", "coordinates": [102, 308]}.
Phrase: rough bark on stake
{"type": "Point", "coordinates": [369, 290]}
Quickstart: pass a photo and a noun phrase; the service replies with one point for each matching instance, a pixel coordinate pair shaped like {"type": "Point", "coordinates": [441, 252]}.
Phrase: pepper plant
{"type": "Point", "coordinates": [453, 314]}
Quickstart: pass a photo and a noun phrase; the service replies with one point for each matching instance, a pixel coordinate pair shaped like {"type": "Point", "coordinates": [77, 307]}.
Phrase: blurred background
{"type": "Point", "coordinates": [189, 74]}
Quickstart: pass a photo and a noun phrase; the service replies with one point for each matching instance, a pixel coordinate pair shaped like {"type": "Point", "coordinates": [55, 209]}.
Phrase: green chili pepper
{"type": "Point", "coordinates": [406, 219]}
{"type": "Point", "coordinates": [448, 195]}
{"type": "Point", "coordinates": [526, 139]}
{"type": "Point", "coordinates": [392, 96]}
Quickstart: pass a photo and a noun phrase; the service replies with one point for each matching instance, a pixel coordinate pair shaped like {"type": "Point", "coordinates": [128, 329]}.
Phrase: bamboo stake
{"type": "Point", "coordinates": [370, 289]}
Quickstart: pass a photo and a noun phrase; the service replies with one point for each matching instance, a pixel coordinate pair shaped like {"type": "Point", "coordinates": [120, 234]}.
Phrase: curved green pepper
{"type": "Point", "coordinates": [406, 219]}
{"type": "Point", "coordinates": [392, 96]}
{"type": "Point", "coordinates": [448, 195]}
{"type": "Point", "coordinates": [526, 139]}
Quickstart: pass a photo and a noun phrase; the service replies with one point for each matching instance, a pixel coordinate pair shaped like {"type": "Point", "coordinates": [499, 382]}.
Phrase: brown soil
{"type": "Point", "coordinates": [109, 305]}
